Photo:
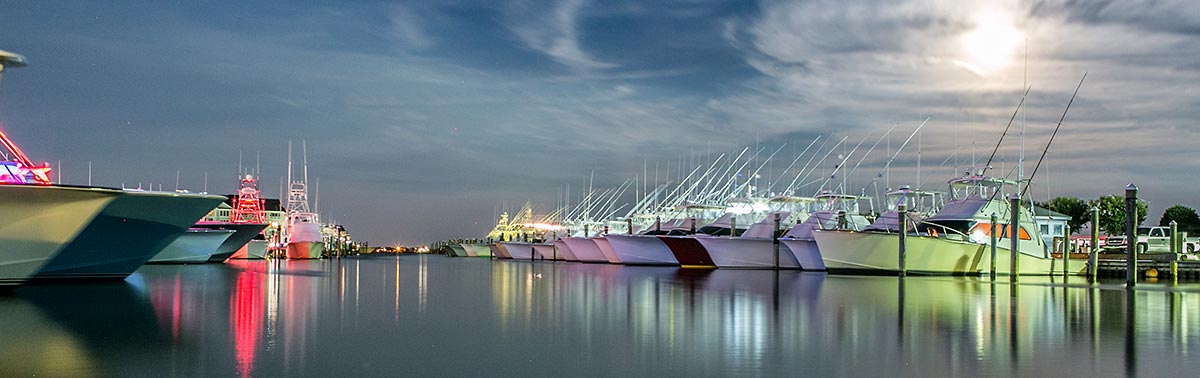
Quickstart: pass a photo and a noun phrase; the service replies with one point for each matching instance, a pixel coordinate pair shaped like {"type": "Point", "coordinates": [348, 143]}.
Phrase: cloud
{"type": "Point", "coordinates": [554, 32]}
{"type": "Point", "coordinates": [407, 27]}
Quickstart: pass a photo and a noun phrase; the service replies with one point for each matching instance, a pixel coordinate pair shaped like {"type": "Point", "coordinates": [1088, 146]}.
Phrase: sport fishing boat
{"type": "Point", "coordinates": [477, 250]}
{"type": "Point", "coordinates": [584, 249]}
{"type": "Point", "coordinates": [256, 249]}
{"type": "Point", "coordinates": [753, 249]}
{"type": "Point", "coordinates": [40, 221]}
{"type": "Point", "coordinates": [195, 246]}
{"type": "Point", "coordinates": [127, 233]}
{"type": "Point", "coordinates": [955, 241]}
{"type": "Point", "coordinates": [458, 250]}
{"type": "Point", "coordinates": [303, 226]}
{"type": "Point", "coordinates": [520, 250]}
{"type": "Point", "coordinates": [838, 211]}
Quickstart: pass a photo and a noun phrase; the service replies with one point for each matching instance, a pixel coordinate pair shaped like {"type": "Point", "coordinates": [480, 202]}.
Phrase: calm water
{"type": "Point", "coordinates": [434, 315]}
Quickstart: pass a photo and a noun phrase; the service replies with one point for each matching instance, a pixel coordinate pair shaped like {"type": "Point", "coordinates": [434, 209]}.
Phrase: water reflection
{"type": "Point", "coordinates": [438, 316]}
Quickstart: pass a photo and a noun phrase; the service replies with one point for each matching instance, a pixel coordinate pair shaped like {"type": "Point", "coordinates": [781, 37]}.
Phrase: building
{"type": "Point", "coordinates": [1053, 226]}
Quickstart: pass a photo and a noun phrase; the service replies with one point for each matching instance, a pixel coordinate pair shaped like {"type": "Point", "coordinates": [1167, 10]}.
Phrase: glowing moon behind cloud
{"type": "Point", "coordinates": [990, 46]}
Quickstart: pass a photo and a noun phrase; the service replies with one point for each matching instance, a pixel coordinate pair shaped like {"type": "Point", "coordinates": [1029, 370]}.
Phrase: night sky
{"type": "Point", "coordinates": [424, 118]}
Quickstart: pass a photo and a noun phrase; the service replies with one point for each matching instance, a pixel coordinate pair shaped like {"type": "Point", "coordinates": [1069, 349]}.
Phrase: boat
{"type": "Point", "coordinates": [256, 249]}
{"type": "Point", "coordinates": [127, 233]}
{"type": "Point", "coordinates": [243, 233]}
{"type": "Point", "coordinates": [565, 250]}
{"type": "Point", "coordinates": [607, 250]}
{"type": "Point", "coordinates": [457, 250]}
{"type": "Point", "coordinates": [641, 249]}
{"type": "Point", "coordinates": [499, 250]}
{"type": "Point", "coordinates": [477, 250]}
{"type": "Point", "coordinates": [547, 251]}
{"type": "Point", "coordinates": [954, 241]}
{"type": "Point", "coordinates": [838, 211]}
{"type": "Point", "coordinates": [304, 239]}
{"type": "Point", "coordinates": [40, 221]}
{"type": "Point", "coordinates": [303, 226]}
{"type": "Point", "coordinates": [585, 249]}
{"type": "Point", "coordinates": [195, 246]}
{"type": "Point", "coordinates": [753, 249]}
{"type": "Point", "coordinates": [519, 250]}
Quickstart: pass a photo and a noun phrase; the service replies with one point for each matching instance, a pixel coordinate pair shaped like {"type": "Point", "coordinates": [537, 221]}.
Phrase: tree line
{"type": "Point", "coordinates": [1112, 214]}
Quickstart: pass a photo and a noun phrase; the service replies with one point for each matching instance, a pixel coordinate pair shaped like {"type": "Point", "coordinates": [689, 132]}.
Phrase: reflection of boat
{"type": "Point", "coordinates": [127, 233]}
{"type": "Point", "coordinates": [195, 246]}
{"type": "Point", "coordinates": [243, 233]}
{"type": "Point", "coordinates": [40, 221]}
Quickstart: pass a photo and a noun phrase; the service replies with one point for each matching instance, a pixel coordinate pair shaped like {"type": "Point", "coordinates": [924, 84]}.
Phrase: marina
{"type": "Point", "coordinates": [699, 188]}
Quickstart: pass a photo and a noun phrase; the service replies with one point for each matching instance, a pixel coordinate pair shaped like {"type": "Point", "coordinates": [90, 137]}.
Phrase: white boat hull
{"type": "Point", "coordinates": [499, 250]}
{"type": "Point", "coordinates": [806, 252]}
{"type": "Point", "coordinates": [565, 250]}
{"type": "Point", "coordinates": [747, 253]}
{"type": "Point", "coordinates": [193, 247]}
{"type": "Point", "coordinates": [869, 251]}
{"type": "Point", "coordinates": [39, 222]}
{"type": "Point", "coordinates": [606, 249]}
{"type": "Point", "coordinates": [244, 232]}
{"type": "Point", "coordinates": [461, 250]}
{"type": "Point", "coordinates": [519, 250]}
{"type": "Point", "coordinates": [641, 250]}
{"type": "Point", "coordinates": [131, 230]}
{"type": "Point", "coordinates": [547, 252]}
{"type": "Point", "coordinates": [585, 250]}
{"type": "Point", "coordinates": [305, 250]}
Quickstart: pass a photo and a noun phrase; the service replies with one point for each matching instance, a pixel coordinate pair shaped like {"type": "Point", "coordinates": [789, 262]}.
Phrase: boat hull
{"type": "Point", "coordinates": [748, 253]}
{"type": "Point", "coordinates": [806, 253]}
{"type": "Point", "coordinates": [40, 221]}
{"type": "Point", "coordinates": [641, 250]}
{"type": "Point", "coordinates": [457, 250]}
{"type": "Point", "coordinates": [565, 250]}
{"type": "Point", "coordinates": [879, 252]}
{"type": "Point", "coordinates": [688, 251]}
{"type": "Point", "coordinates": [519, 250]}
{"type": "Point", "coordinates": [254, 250]}
{"type": "Point", "coordinates": [547, 252]}
{"type": "Point", "coordinates": [243, 233]}
{"type": "Point", "coordinates": [606, 249]}
{"type": "Point", "coordinates": [193, 247]}
{"type": "Point", "coordinates": [585, 250]}
{"type": "Point", "coordinates": [499, 250]}
{"type": "Point", "coordinates": [477, 250]}
{"type": "Point", "coordinates": [305, 250]}
{"type": "Point", "coordinates": [130, 230]}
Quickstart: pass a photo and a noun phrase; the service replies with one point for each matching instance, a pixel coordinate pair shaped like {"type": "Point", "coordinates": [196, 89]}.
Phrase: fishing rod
{"type": "Point", "coordinates": [792, 187]}
{"type": "Point", "coordinates": [789, 167]}
{"type": "Point", "coordinates": [756, 171]}
{"type": "Point", "coordinates": [1010, 122]}
{"type": "Point", "coordinates": [726, 183]}
{"type": "Point", "coordinates": [840, 164]}
{"type": "Point", "coordinates": [1052, 135]}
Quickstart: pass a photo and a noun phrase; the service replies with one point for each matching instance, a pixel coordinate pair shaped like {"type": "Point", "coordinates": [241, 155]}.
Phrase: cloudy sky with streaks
{"type": "Point", "coordinates": [422, 118]}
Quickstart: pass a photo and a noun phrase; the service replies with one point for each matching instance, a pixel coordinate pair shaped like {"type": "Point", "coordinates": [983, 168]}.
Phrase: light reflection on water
{"type": "Point", "coordinates": [438, 315]}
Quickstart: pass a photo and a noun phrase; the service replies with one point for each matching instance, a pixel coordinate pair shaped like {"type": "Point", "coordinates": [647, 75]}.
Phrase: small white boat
{"type": "Point", "coordinates": [304, 240]}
